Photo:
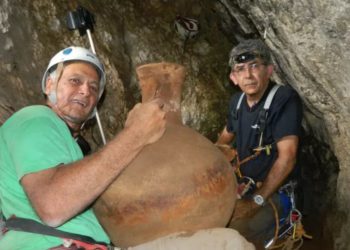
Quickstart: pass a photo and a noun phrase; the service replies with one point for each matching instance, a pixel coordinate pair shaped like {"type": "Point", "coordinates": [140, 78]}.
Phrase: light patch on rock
{"type": "Point", "coordinates": [206, 239]}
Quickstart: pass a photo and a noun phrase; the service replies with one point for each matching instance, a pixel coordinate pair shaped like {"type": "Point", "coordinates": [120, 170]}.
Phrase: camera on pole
{"type": "Point", "coordinates": [80, 19]}
{"type": "Point", "coordinates": [84, 21]}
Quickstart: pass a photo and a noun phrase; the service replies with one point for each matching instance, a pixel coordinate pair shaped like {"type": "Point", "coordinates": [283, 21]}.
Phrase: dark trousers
{"type": "Point", "coordinates": [261, 227]}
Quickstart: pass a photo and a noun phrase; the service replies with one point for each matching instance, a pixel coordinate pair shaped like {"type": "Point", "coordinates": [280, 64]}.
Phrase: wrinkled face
{"type": "Point", "coordinates": [252, 77]}
{"type": "Point", "coordinates": [77, 92]}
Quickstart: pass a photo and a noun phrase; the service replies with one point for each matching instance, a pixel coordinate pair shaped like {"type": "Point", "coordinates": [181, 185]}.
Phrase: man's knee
{"type": "Point", "coordinates": [262, 225]}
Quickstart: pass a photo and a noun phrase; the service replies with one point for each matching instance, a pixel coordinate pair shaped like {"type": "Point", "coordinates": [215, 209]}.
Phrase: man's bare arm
{"type": "Point", "coordinates": [287, 151]}
{"type": "Point", "coordinates": [57, 194]}
{"type": "Point", "coordinates": [223, 143]}
{"type": "Point", "coordinates": [225, 137]}
{"type": "Point", "coordinates": [283, 166]}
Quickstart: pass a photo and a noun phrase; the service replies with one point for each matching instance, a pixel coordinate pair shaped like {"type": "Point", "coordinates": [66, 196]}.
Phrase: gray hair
{"type": "Point", "coordinates": [253, 46]}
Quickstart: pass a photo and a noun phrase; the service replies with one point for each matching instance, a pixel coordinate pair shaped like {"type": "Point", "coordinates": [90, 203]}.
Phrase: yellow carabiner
{"type": "Point", "coordinates": [268, 149]}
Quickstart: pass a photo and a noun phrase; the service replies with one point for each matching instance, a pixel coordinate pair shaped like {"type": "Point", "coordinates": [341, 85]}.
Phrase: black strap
{"type": "Point", "coordinates": [264, 112]}
{"type": "Point", "coordinates": [262, 120]}
{"type": "Point", "coordinates": [83, 144]}
{"type": "Point", "coordinates": [32, 226]}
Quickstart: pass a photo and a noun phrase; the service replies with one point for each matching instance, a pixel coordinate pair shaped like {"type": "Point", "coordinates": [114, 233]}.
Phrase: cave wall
{"type": "Point", "coordinates": [127, 34]}
{"type": "Point", "coordinates": [310, 41]}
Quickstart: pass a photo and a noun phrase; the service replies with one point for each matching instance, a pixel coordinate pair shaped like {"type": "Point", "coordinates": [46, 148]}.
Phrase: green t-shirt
{"type": "Point", "coordinates": [34, 139]}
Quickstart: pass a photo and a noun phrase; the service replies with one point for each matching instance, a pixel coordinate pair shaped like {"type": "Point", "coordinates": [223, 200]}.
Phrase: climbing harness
{"type": "Point", "coordinates": [245, 186]}
{"type": "Point", "coordinates": [289, 231]}
{"type": "Point", "coordinates": [70, 240]}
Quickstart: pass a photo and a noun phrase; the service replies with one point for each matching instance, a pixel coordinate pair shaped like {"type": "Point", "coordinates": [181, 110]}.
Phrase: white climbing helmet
{"type": "Point", "coordinates": [76, 54]}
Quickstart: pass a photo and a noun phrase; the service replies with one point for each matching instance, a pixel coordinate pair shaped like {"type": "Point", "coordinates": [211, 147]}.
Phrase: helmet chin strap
{"type": "Point", "coordinates": [92, 114]}
{"type": "Point", "coordinates": [52, 96]}
{"type": "Point", "coordinates": [56, 75]}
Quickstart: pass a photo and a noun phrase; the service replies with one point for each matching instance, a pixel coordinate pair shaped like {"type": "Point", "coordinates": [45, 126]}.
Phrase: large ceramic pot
{"type": "Point", "coordinates": [182, 182]}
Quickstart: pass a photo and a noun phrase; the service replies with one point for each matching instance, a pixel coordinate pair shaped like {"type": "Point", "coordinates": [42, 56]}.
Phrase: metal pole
{"type": "Point", "coordinates": [97, 115]}
{"type": "Point", "coordinates": [88, 32]}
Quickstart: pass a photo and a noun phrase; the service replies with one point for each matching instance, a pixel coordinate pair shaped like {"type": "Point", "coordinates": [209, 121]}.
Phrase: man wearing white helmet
{"type": "Point", "coordinates": [54, 72]}
{"type": "Point", "coordinates": [44, 177]}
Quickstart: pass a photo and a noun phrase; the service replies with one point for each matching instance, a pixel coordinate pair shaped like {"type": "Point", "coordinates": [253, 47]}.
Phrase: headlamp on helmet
{"type": "Point", "coordinates": [249, 50]}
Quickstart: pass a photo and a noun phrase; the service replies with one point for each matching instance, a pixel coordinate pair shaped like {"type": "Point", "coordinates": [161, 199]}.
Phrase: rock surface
{"type": "Point", "coordinates": [206, 239]}
{"type": "Point", "coordinates": [310, 41]}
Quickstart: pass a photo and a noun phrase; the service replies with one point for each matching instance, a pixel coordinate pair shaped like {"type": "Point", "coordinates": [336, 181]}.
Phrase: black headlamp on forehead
{"type": "Point", "coordinates": [245, 57]}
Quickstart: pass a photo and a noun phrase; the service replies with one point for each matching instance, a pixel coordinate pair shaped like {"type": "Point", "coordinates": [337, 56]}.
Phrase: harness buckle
{"type": "Point", "coordinates": [70, 244]}
{"type": "Point", "coordinates": [267, 148]}
{"type": "Point", "coordinates": [246, 186]}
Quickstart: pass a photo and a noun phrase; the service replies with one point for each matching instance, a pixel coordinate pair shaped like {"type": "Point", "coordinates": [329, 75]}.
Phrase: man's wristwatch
{"type": "Point", "coordinates": [259, 200]}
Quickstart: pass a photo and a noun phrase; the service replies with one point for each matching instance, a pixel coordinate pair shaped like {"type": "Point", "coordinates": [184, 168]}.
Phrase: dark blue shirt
{"type": "Point", "coordinates": [283, 119]}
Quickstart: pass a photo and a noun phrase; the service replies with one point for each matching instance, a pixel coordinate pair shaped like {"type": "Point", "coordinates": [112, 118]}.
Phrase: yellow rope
{"type": "Point", "coordinates": [275, 237]}
{"type": "Point", "coordinates": [295, 240]}
{"type": "Point", "coordinates": [239, 162]}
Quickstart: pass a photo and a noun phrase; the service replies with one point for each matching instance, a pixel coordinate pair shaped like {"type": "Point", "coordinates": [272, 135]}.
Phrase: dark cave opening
{"type": "Point", "coordinates": [317, 192]}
